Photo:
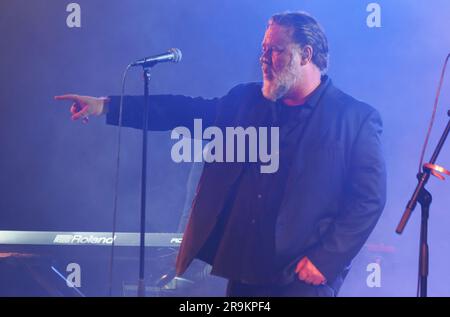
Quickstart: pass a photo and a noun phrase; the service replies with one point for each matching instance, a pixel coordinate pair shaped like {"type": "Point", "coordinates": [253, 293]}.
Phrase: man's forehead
{"type": "Point", "coordinates": [277, 35]}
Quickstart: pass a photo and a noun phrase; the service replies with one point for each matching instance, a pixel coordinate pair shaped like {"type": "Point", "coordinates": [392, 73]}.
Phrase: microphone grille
{"type": "Point", "coordinates": [177, 55]}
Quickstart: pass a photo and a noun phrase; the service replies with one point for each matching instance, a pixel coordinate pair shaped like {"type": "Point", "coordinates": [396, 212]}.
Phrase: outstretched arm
{"type": "Point", "coordinates": [165, 113]}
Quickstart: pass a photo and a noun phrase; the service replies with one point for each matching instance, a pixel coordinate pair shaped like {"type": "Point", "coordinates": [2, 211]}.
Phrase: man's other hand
{"type": "Point", "coordinates": [308, 273]}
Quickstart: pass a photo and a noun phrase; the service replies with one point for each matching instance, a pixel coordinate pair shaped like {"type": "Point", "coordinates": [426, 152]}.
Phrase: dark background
{"type": "Point", "coordinates": [58, 175]}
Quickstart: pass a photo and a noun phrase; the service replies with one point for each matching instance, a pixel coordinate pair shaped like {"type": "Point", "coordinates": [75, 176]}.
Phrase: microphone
{"type": "Point", "coordinates": [173, 55]}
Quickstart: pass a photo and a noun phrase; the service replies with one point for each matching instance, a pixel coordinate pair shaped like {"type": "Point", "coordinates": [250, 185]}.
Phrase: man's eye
{"type": "Point", "coordinates": [272, 50]}
{"type": "Point", "coordinates": [277, 50]}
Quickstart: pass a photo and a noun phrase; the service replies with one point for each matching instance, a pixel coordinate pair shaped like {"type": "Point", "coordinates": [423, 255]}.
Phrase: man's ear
{"type": "Point", "coordinates": [307, 54]}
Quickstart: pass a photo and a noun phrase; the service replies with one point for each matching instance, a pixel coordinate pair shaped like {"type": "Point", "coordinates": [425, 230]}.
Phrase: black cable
{"type": "Point", "coordinates": [116, 182]}
{"type": "Point", "coordinates": [436, 101]}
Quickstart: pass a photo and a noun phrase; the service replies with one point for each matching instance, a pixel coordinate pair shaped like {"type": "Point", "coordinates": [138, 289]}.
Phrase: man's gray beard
{"type": "Point", "coordinates": [274, 90]}
{"type": "Point", "coordinates": [280, 85]}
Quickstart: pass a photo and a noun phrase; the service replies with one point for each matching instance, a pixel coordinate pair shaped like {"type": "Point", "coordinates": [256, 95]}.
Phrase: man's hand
{"type": "Point", "coordinates": [308, 273]}
{"type": "Point", "coordinates": [84, 106]}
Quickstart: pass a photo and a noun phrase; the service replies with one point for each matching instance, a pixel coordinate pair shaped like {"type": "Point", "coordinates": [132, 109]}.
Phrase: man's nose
{"type": "Point", "coordinates": [264, 59]}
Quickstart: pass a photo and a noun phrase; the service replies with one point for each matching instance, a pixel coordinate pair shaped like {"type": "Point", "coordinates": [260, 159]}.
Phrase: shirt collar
{"type": "Point", "coordinates": [314, 97]}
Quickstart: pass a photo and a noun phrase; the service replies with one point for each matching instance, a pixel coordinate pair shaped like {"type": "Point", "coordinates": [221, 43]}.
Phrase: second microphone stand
{"type": "Point", "coordinates": [424, 198]}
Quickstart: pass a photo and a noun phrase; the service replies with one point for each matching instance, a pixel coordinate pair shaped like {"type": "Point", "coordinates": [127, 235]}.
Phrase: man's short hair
{"type": "Point", "coordinates": [306, 31]}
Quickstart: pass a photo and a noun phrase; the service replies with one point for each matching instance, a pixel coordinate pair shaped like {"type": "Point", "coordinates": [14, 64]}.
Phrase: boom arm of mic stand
{"type": "Point", "coordinates": [423, 178]}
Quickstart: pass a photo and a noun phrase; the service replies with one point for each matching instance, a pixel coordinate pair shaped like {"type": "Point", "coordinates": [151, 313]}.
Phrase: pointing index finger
{"type": "Point", "coordinates": [68, 97]}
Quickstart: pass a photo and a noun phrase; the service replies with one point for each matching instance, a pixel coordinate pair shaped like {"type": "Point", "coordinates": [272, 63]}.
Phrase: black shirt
{"type": "Point", "coordinates": [242, 245]}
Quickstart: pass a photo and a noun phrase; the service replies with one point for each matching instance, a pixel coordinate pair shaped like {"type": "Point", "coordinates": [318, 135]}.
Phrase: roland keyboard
{"type": "Point", "coordinates": [89, 238]}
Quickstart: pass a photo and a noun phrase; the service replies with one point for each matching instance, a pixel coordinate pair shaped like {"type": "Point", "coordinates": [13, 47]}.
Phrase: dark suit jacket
{"type": "Point", "coordinates": [337, 185]}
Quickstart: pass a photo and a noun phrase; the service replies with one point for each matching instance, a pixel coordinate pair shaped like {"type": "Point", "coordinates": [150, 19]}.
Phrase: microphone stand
{"type": "Point", "coordinates": [141, 284]}
{"type": "Point", "coordinates": [424, 198]}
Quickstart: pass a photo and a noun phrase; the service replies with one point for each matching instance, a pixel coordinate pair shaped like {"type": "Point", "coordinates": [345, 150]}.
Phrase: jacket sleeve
{"type": "Point", "coordinates": [165, 112]}
{"type": "Point", "coordinates": [365, 197]}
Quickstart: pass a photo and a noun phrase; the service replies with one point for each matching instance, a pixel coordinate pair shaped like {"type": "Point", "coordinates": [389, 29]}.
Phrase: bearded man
{"type": "Point", "coordinates": [293, 232]}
